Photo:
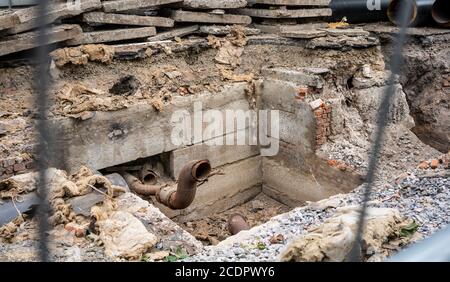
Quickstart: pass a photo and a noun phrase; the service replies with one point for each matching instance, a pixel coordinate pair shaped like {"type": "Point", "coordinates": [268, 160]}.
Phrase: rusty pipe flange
{"type": "Point", "coordinates": [164, 195]}
{"type": "Point", "coordinates": [237, 223]}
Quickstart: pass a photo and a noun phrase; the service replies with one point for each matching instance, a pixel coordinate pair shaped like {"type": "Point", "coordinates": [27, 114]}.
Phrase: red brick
{"type": "Point", "coordinates": [434, 164]}
{"type": "Point", "coordinates": [423, 165]}
{"type": "Point", "coordinates": [79, 230]}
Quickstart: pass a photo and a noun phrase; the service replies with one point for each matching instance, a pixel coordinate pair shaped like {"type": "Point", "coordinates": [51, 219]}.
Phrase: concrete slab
{"type": "Point", "coordinates": [284, 13]}
{"type": "Point", "coordinates": [199, 17]}
{"type": "Point", "coordinates": [125, 5]}
{"type": "Point", "coordinates": [121, 19]}
{"type": "Point", "coordinates": [214, 4]}
{"type": "Point", "coordinates": [112, 35]}
{"type": "Point", "coordinates": [26, 41]}
{"type": "Point", "coordinates": [28, 17]}
{"type": "Point", "coordinates": [226, 29]}
{"type": "Point", "coordinates": [8, 20]}
{"type": "Point", "coordinates": [177, 32]}
{"type": "Point", "coordinates": [291, 2]}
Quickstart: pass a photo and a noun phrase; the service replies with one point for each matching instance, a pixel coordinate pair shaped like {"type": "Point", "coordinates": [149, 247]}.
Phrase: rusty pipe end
{"type": "Point", "coordinates": [201, 170]}
{"type": "Point", "coordinates": [149, 177]}
{"type": "Point", "coordinates": [237, 223]}
{"type": "Point", "coordinates": [183, 195]}
{"type": "Point", "coordinates": [441, 12]}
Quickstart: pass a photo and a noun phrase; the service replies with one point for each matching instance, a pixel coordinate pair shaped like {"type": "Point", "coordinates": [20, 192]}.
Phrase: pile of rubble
{"type": "Point", "coordinates": [93, 213]}
{"type": "Point", "coordinates": [82, 22]}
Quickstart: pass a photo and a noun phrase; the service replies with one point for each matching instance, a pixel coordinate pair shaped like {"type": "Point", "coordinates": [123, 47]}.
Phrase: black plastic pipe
{"type": "Point", "coordinates": [360, 11]}
{"type": "Point", "coordinates": [421, 14]}
{"type": "Point", "coordinates": [441, 12]}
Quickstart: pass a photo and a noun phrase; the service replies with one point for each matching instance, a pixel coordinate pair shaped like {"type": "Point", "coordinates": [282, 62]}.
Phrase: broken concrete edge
{"type": "Point", "coordinates": [26, 41]}
{"type": "Point", "coordinates": [28, 17]}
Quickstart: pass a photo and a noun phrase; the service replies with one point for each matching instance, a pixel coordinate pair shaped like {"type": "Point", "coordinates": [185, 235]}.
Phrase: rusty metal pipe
{"type": "Point", "coordinates": [183, 195]}
{"type": "Point", "coordinates": [441, 12]}
{"type": "Point", "coordinates": [237, 223]}
{"type": "Point", "coordinates": [138, 187]}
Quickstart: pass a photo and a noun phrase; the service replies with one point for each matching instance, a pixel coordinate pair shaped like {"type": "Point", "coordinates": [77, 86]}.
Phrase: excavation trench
{"type": "Point", "coordinates": [226, 183]}
{"type": "Point", "coordinates": [310, 105]}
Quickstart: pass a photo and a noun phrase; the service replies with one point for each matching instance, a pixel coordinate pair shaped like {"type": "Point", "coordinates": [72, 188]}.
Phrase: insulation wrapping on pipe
{"type": "Point", "coordinates": [421, 14]}
{"type": "Point", "coordinates": [360, 11]}
{"type": "Point", "coordinates": [441, 12]}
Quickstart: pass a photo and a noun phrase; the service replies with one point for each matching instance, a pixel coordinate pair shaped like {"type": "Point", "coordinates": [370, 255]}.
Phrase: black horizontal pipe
{"type": "Point", "coordinates": [360, 11]}
{"type": "Point", "coordinates": [441, 12]}
{"type": "Point", "coordinates": [420, 16]}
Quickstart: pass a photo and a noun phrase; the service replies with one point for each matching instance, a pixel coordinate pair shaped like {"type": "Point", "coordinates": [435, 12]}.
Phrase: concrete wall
{"type": "Point", "coordinates": [296, 175]}
{"type": "Point", "coordinates": [238, 183]}
{"type": "Point", "coordinates": [113, 138]}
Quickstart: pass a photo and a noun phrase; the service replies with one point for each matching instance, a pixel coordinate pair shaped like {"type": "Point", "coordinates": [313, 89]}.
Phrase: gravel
{"type": "Point", "coordinates": [420, 194]}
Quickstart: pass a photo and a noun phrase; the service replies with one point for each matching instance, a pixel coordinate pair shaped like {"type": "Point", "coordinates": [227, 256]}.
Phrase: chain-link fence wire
{"type": "Point", "coordinates": [44, 136]}
{"type": "Point", "coordinates": [382, 121]}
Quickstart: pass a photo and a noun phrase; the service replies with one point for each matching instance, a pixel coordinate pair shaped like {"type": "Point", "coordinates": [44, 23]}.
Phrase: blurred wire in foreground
{"type": "Point", "coordinates": [42, 82]}
{"type": "Point", "coordinates": [382, 120]}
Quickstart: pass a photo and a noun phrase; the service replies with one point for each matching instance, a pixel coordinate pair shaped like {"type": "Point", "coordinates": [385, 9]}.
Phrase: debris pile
{"type": "Point", "coordinates": [90, 207]}
{"type": "Point", "coordinates": [96, 22]}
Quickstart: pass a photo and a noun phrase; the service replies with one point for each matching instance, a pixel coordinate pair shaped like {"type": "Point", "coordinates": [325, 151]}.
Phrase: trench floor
{"type": "Point", "coordinates": [213, 229]}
